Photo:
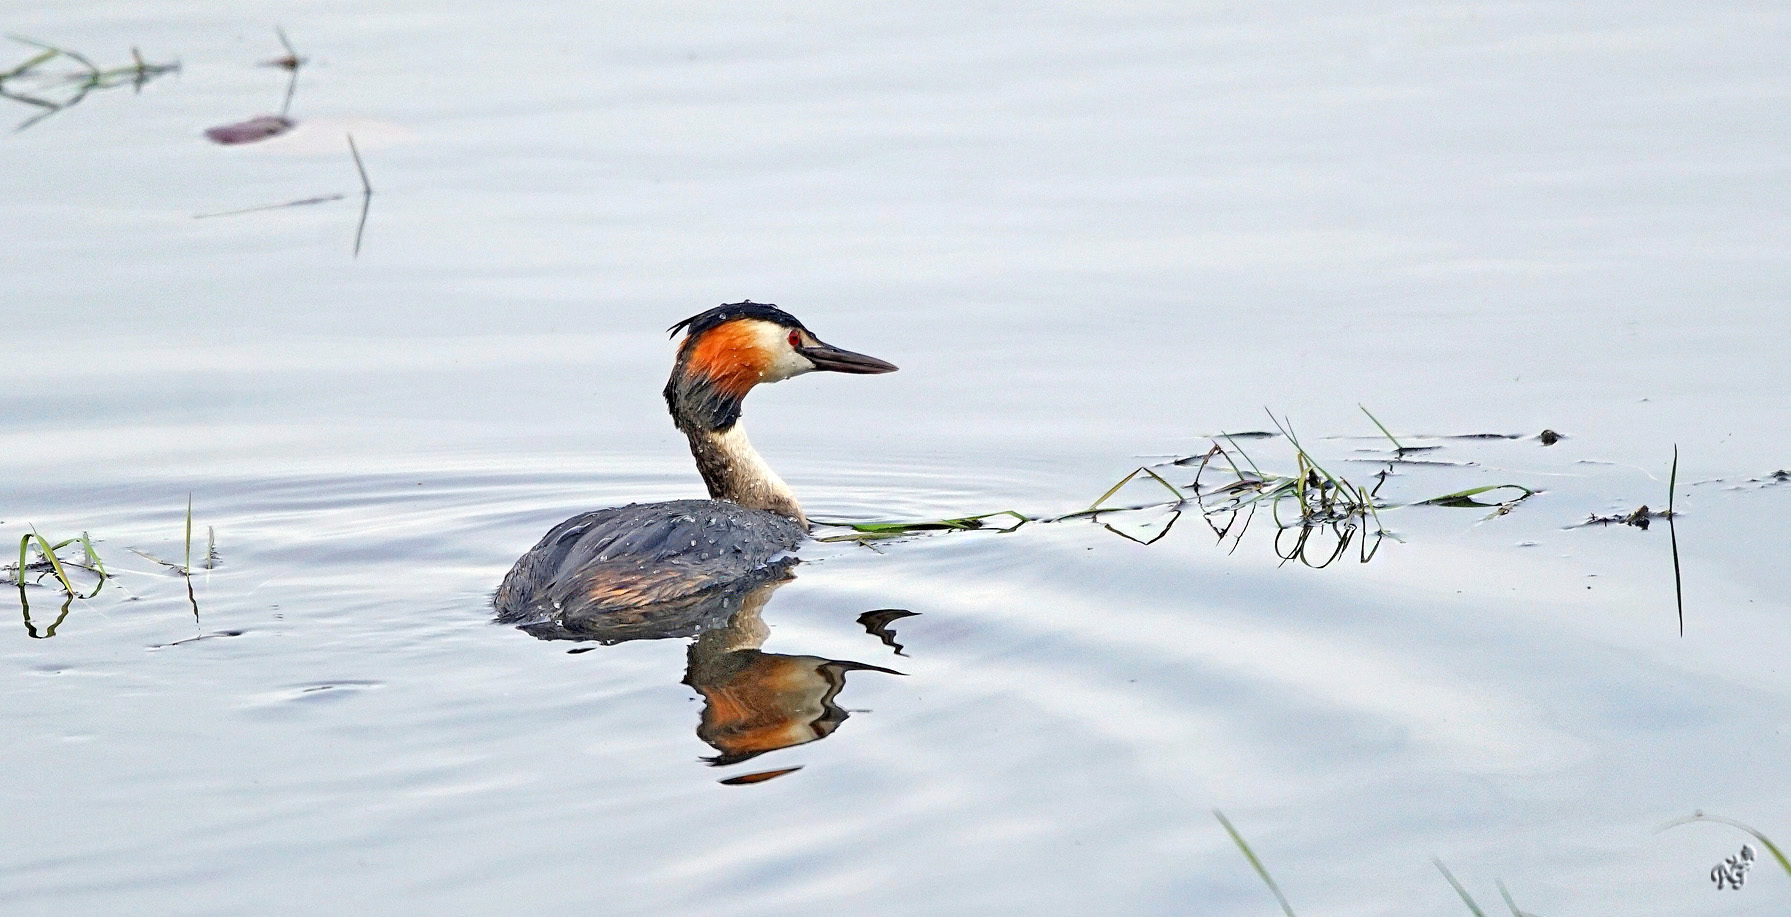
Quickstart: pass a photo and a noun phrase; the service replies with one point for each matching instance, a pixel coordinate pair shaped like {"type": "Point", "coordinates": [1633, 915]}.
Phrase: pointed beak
{"type": "Point", "coordinates": [833, 359]}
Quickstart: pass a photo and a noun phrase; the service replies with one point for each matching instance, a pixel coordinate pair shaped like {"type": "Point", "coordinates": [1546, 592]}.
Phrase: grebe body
{"type": "Point", "coordinates": [653, 569]}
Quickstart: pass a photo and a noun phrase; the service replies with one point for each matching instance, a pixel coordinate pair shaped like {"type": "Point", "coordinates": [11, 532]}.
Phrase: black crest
{"type": "Point", "coordinates": [727, 312]}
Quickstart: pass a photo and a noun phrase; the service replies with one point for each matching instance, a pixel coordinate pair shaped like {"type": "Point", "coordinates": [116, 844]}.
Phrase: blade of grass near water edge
{"type": "Point", "coordinates": [1465, 897]}
{"type": "Point", "coordinates": [1250, 855]}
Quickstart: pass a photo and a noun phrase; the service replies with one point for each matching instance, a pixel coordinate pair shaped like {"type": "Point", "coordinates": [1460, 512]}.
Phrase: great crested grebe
{"type": "Point", "coordinates": [636, 570]}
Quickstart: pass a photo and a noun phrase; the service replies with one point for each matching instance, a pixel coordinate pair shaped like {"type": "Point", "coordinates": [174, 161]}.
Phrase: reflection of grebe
{"type": "Point", "coordinates": [754, 701]}
{"type": "Point", "coordinates": [638, 562]}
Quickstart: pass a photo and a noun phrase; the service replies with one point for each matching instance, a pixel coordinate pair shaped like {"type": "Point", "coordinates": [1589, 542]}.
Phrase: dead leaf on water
{"type": "Point", "coordinates": [250, 131]}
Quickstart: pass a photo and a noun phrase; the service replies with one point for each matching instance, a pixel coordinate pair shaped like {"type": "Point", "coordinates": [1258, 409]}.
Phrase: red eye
{"type": "Point", "coordinates": [795, 339]}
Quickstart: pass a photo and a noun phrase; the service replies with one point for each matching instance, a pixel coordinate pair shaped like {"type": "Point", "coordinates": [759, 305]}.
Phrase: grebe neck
{"type": "Point", "coordinates": [734, 471]}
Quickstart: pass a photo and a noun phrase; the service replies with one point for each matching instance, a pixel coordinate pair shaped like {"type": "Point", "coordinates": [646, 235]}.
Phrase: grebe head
{"type": "Point", "coordinates": [731, 348]}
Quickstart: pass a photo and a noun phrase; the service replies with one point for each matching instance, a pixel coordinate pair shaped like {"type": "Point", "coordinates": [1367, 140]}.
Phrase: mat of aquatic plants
{"type": "Point", "coordinates": [1338, 465]}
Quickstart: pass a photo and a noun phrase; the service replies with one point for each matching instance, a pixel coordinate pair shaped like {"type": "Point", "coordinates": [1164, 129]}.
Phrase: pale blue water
{"type": "Point", "coordinates": [1090, 240]}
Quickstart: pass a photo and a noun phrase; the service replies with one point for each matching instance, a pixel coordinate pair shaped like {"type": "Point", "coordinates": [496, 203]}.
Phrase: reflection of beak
{"type": "Point", "coordinates": [833, 359]}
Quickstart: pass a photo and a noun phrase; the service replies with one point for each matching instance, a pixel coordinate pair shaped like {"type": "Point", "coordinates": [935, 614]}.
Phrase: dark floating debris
{"type": "Point", "coordinates": [253, 130]}
{"type": "Point", "coordinates": [876, 623]}
{"type": "Point", "coordinates": [1637, 517]}
{"type": "Point", "coordinates": [1549, 437]}
{"type": "Point", "coordinates": [262, 127]}
{"type": "Point", "coordinates": [40, 84]}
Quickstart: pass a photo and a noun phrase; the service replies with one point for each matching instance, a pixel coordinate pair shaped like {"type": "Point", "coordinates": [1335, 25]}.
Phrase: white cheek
{"type": "Point", "coordinates": [785, 361]}
{"type": "Point", "coordinates": [786, 364]}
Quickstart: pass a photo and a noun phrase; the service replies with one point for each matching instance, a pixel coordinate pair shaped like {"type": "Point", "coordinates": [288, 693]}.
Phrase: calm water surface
{"type": "Point", "coordinates": [1091, 241]}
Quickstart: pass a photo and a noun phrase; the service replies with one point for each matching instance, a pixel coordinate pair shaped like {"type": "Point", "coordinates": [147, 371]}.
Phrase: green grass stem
{"type": "Point", "coordinates": [93, 558]}
{"type": "Point", "coordinates": [49, 554]}
{"type": "Point", "coordinates": [1377, 422]}
{"type": "Point", "coordinates": [1673, 536]}
{"type": "Point", "coordinates": [1465, 498]}
{"type": "Point", "coordinates": [29, 65]}
{"type": "Point", "coordinates": [1506, 894]}
{"type": "Point", "coordinates": [1255, 863]}
{"type": "Point", "coordinates": [95, 71]}
{"type": "Point", "coordinates": [1096, 505]}
{"type": "Point", "coordinates": [1466, 898]}
{"type": "Point", "coordinates": [1251, 462]}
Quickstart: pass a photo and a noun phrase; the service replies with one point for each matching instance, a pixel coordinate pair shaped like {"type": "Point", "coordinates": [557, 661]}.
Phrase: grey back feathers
{"type": "Point", "coordinates": [598, 569]}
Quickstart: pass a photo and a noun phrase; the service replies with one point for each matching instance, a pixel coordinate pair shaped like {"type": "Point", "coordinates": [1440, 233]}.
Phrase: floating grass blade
{"type": "Point", "coordinates": [287, 44]}
{"type": "Point", "coordinates": [1096, 505]}
{"type": "Point", "coordinates": [863, 530]}
{"type": "Point", "coordinates": [1240, 450]}
{"type": "Point", "coordinates": [1466, 898]}
{"type": "Point", "coordinates": [1397, 446]}
{"type": "Point", "coordinates": [95, 71]}
{"type": "Point", "coordinates": [1506, 894]}
{"type": "Point", "coordinates": [93, 558]}
{"type": "Point", "coordinates": [49, 554]}
{"type": "Point", "coordinates": [1765, 841]}
{"type": "Point", "coordinates": [1464, 498]}
{"type": "Point", "coordinates": [1673, 536]}
{"type": "Point", "coordinates": [1250, 855]}
{"type": "Point", "coordinates": [29, 65]}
